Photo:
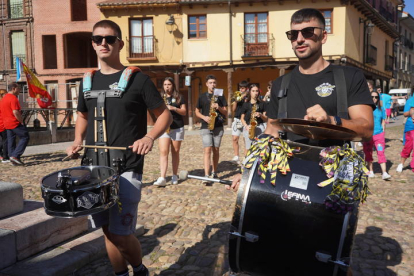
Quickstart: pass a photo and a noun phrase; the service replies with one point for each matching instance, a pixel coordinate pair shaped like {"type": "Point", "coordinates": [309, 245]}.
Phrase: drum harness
{"type": "Point", "coordinates": [101, 156]}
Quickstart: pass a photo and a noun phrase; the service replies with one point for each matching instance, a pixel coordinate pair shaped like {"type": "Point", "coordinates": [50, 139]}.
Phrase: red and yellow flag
{"type": "Point", "coordinates": [36, 88]}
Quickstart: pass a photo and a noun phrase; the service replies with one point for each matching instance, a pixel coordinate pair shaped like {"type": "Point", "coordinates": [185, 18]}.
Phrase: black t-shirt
{"type": "Point", "coordinates": [238, 112]}
{"type": "Point", "coordinates": [126, 117]}
{"type": "Point", "coordinates": [247, 111]}
{"type": "Point", "coordinates": [178, 120]}
{"type": "Point", "coordinates": [203, 105]}
{"type": "Point", "coordinates": [305, 91]}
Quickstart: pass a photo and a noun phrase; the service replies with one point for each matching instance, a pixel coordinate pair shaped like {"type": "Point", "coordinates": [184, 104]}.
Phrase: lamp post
{"type": "Point", "coordinates": [170, 23]}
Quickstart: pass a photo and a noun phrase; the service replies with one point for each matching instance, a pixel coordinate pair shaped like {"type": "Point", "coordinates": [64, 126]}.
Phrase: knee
{"type": "Point", "coordinates": [235, 139]}
{"type": "Point", "coordinates": [121, 242]}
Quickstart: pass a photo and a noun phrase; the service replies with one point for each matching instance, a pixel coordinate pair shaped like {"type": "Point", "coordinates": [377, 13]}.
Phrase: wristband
{"type": "Point", "coordinates": [150, 138]}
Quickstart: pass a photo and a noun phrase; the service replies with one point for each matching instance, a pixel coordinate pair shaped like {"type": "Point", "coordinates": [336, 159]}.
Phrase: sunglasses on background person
{"type": "Point", "coordinates": [110, 39]}
{"type": "Point", "coordinates": [374, 97]}
{"type": "Point", "coordinates": [307, 32]}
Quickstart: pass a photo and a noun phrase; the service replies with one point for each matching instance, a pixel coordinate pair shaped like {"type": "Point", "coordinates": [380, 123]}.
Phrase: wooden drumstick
{"type": "Point", "coordinates": [105, 147]}
{"type": "Point", "coordinates": [104, 127]}
{"type": "Point", "coordinates": [96, 130]}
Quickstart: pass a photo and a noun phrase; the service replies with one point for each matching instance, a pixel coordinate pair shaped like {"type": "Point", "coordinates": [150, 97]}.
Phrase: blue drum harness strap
{"type": "Point", "coordinates": [100, 157]}
{"type": "Point", "coordinates": [341, 95]}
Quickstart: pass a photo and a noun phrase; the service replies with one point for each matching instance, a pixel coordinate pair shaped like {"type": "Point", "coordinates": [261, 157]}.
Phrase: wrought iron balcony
{"type": "Point", "coordinates": [257, 45]}
{"type": "Point", "coordinates": [372, 55]}
{"type": "Point", "coordinates": [16, 10]}
{"type": "Point", "coordinates": [389, 61]}
{"type": "Point", "coordinates": [142, 48]}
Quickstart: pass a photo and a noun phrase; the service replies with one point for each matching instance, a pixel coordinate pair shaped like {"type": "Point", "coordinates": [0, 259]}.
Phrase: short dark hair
{"type": "Point", "coordinates": [305, 15]}
{"type": "Point", "coordinates": [109, 24]}
{"type": "Point", "coordinates": [210, 77]}
{"type": "Point", "coordinates": [12, 86]}
{"type": "Point", "coordinates": [243, 83]}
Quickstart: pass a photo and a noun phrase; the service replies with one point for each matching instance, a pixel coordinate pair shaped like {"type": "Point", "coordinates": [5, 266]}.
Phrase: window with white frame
{"type": "Point", "coordinates": [141, 38]}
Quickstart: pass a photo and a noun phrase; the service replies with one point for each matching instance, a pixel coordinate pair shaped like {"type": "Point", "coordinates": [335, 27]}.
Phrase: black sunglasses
{"type": "Point", "coordinates": [307, 32]}
{"type": "Point", "coordinates": [110, 39]}
{"type": "Point", "coordinates": [374, 97]}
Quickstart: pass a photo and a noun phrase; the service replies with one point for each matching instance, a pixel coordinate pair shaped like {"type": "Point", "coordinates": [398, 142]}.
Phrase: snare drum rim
{"type": "Point", "coordinates": [115, 177]}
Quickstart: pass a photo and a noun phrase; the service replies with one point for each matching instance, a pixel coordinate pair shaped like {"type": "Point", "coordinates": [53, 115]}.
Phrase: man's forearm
{"type": "Point", "coordinates": [363, 127]}
{"type": "Point", "coordinates": [163, 121]}
{"type": "Point", "coordinates": [80, 127]}
{"type": "Point", "coordinates": [18, 116]}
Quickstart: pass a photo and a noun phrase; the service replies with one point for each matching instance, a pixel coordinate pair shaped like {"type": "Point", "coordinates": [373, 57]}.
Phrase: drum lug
{"type": "Point", "coordinates": [249, 236]}
{"type": "Point", "coordinates": [325, 258]}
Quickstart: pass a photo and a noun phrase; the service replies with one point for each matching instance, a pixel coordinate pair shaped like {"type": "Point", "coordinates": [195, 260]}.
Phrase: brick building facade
{"type": "Point", "coordinates": [16, 33]}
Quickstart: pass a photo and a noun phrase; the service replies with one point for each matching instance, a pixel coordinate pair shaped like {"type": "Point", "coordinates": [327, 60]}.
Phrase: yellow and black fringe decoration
{"type": "Point", "coordinates": [348, 173]}
{"type": "Point", "coordinates": [273, 154]}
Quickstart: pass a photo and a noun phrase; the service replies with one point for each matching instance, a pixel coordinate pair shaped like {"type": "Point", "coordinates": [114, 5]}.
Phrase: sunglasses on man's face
{"type": "Point", "coordinates": [307, 32]}
{"type": "Point", "coordinates": [110, 39]}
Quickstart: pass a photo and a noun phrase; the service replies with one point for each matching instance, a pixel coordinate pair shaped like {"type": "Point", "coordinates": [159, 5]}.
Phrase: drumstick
{"type": "Point", "coordinates": [104, 127]}
{"type": "Point", "coordinates": [184, 175]}
{"type": "Point", "coordinates": [68, 157]}
{"type": "Point", "coordinates": [104, 147]}
{"type": "Point", "coordinates": [96, 130]}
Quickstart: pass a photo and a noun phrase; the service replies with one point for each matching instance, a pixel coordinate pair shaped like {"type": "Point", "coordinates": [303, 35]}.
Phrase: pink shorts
{"type": "Point", "coordinates": [379, 142]}
{"type": "Point", "coordinates": [388, 111]}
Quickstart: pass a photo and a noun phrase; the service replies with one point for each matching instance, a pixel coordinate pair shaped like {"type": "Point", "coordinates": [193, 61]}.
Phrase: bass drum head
{"type": "Point", "coordinates": [91, 189]}
{"type": "Point", "coordinates": [279, 230]}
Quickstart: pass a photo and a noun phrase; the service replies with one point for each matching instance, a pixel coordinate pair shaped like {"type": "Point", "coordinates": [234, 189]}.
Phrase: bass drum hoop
{"type": "Point", "coordinates": [242, 196]}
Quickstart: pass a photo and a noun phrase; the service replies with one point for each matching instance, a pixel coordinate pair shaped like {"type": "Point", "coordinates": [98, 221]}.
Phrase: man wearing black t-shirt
{"type": "Point", "coordinates": [311, 94]}
{"type": "Point", "coordinates": [211, 138]}
{"type": "Point", "coordinates": [126, 126]}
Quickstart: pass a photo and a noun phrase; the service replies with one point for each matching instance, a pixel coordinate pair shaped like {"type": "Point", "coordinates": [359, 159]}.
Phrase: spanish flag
{"type": "Point", "coordinates": [36, 88]}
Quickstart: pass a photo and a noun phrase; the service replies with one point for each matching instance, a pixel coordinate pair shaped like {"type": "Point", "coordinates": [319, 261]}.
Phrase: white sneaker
{"type": "Point", "coordinates": [235, 159]}
{"type": "Point", "coordinates": [174, 180]}
{"type": "Point", "coordinates": [161, 182]}
{"type": "Point", "coordinates": [385, 176]}
{"type": "Point", "coordinates": [371, 174]}
{"type": "Point", "coordinates": [399, 168]}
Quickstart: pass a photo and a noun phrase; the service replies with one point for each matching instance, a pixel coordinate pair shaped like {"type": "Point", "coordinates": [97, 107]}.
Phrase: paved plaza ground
{"type": "Point", "coordinates": [187, 224]}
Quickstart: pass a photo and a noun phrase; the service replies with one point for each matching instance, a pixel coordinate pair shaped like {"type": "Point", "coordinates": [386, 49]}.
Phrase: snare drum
{"type": "Point", "coordinates": [80, 191]}
{"type": "Point", "coordinates": [285, 229]}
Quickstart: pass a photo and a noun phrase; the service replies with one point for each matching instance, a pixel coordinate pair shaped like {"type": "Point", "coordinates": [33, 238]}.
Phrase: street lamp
{"type": "Point", "coordinates": [170, 23]}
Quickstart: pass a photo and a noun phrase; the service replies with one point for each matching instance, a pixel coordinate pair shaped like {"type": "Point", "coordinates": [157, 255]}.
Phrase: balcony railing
{"type": "Point", "coordinates": [16, 10]}
{"type": "Point", "coordinates": [372, 55]}
{"type": "Point", "coordinates": [255, 45]}
{"type": "Point", "coordinates": [21, 57]}
{"type": "Point", "coordinates": [389, 61]}
{"type": "Point", "coordinates": [142, 48]}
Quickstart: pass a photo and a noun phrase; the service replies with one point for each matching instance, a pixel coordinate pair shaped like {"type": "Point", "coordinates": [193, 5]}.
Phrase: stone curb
{"type": "Point", "coordinates": [65, 258]}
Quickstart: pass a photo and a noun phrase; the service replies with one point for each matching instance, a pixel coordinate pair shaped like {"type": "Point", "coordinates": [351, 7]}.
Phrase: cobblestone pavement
{"type": "Point", "coordinates": [187, 224]}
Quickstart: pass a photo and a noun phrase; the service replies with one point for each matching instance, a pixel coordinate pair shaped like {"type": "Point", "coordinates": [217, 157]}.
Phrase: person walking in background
{"type": "Point", "coordinates": [253, 102]}
{"type": "Point", "coordinates": [408, 140]}
{"type": "Point", "coordinates": [173, 137]}
{"type": "Point", "coordinates": [4, 156]}
{"type": "Point", "coordinates": [377, 140]}
{"type": "Point", "coordinates": [386, 103]}
{"type": "Point", "coordinates": [206, 105]}
{"type": "Point", "coordinates": [13, 123]}
{"type": "Point", "coordinates": [237, 126]}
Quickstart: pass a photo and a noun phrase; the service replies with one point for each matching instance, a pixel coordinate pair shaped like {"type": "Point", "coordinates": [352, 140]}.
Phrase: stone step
{"type": "Point", "coordinates": [65, 258]}
{"type": "Point", "coordinates": [11, 198]}
{"type": "Point", "coordinates": [32, 231]}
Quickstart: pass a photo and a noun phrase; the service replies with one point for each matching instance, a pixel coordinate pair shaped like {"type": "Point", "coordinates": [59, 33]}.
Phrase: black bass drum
{"type": "Point", "coordinates": [80, 191]}
{"type": "Point", "coordinates": [285, 229]}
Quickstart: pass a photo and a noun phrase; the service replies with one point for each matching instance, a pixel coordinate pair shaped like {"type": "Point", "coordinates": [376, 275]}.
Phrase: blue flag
{"type": "Point", "coordinates": [18, 69]}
